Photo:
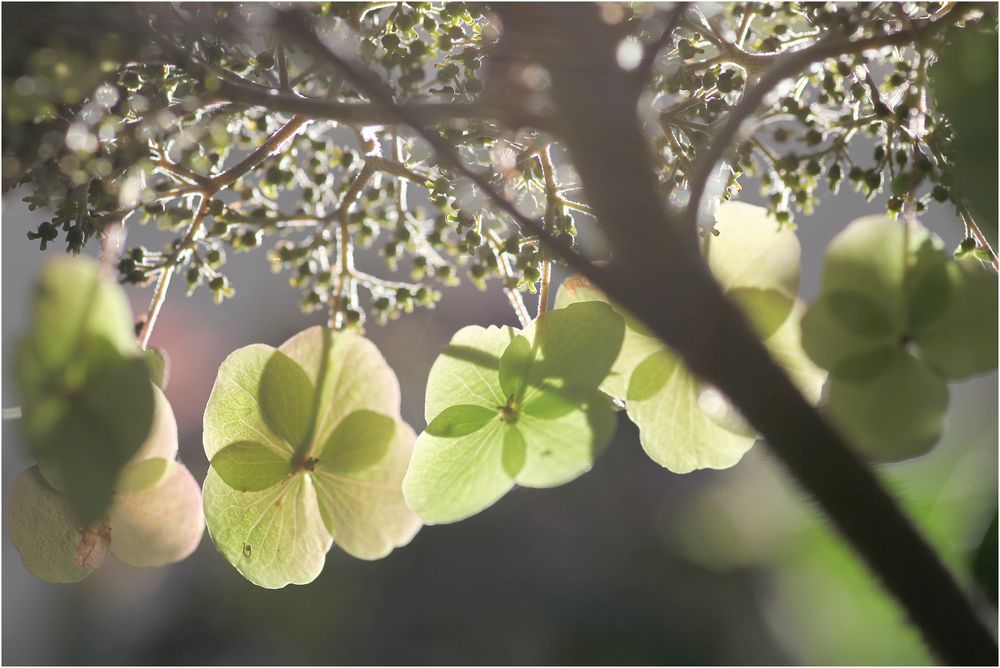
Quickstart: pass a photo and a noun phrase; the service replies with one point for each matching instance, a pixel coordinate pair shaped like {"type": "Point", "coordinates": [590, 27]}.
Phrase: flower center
{"type": "Point", "coordinates": [510, 411]}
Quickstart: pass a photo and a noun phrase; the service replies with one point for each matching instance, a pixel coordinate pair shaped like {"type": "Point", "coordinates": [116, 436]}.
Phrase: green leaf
{"type": "Point", "coordinates": [753, 250]}
{"type": "Point", "coordinates": [159, 366]}
{"type": "Point", "coordinates": [161, 442]}
{"type": "Point", "coordinates": [637, 344]}
{"type": "Point", "coordinates": [365, 510]}
{"type": "Point", "coordinates": [453, 477]}
{"type": "Point", "coordinates": [889, 288]}
{"type": "Point", "coordinates": [233, 413]}
{"type": "Point", "coordinates": [766, 309]}
{"type": "Point", "coordinates": [73, 303]}
{"type": "Point", "coordinates": [785, 346]}
{"type": "Point", "coordinates": [155, 516]}
{"type": "Point", "coordinates": [683, 424]}
{"type": "Point", "coordinates": [859, 315]}
{"type": "Point", "coordinates": [663, 401]}
{"type": "Point", "coordinates": [359, 442]}
{"type": "Point", "coordinates": [86, 397]}
{"type": "Point", "coordinates": [286, 399]}
{"type": "Point", "coordinates": [249, 400]}
{"type": "Point", "coordinates": [44, 529]}
{"type": "Point", "coordinates": [469, 368]}
{"type": "Point", "coordinates": [874, 257]}
{"type": "Point", "coordinates": [90, 439]}
{"type": "Point", "coordinates": [547, 405]}
{"type": "Point", "coordinates": [968, 62]}
{"type": "Point", "coordinates": [716, 406]}
{"type": "Point", "coordinates": [577, 288]}
{"type": "Point", "coordinates": [461, 420]}
{"type": "Point", "coordinates": [162, 438]}
{"type": "Point", "coordinates": [514, 450]}
{"type": "Point", "coordinates": [515, 366]}
{"type": "Point", "coordinates": [962, 342]}
{"type": "Point", "coordinates": [894, 415]}
{"type": "Point", "coordinates": [158, 524]}
{"type": "Point", "coordinates": [248, 466]}
{"type": "Point", "coordinates": [559, 450]}
{"type": "Point", "coordinates": [841, 333]}
{"type": "Point", "coordinates": [927, 286]}
{"type": "Point", "coordinates": [755, 260]}
{"type": "Point", "coordinates": [273, 537]}
{"type": "Point", "coordinates": [354, 377]}
{"type": "Point", "coordinates": [575, 348]}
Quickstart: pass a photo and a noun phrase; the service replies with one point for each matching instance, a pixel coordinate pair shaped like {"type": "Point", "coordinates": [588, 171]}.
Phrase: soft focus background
{"type": "Point", "coordinates": [630, 564]}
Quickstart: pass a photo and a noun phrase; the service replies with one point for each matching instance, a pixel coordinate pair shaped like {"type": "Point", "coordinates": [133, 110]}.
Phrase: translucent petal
{"type": "Point", "coordinates": [158, 525]}
{"type": "Point", "coordinates": [453, 477]}
{"type": "Point", "coordinates": [45, 532]}
{"type": "Point", "coordinates": [364, 509]}
{"type": "Point", "coordinates": [274, 537]}
{"type": "Point", "coordinates": [894, 415]}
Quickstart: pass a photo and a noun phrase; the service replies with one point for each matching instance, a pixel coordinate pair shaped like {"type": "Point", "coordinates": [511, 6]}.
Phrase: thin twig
{"type": "Point", "coordinates": [270, 146]}
{"type": "Point", "coordinates": [208, 189]}
{"type": "Point", "coordinates": [181, 172]}
{"type": "Point", "coordinates": [551, 203]}
{"type": "Point", "coordinates": [345, 256]}
{"type": "Point", "coordinates": [345, 266]}
{"type": "Point", "coordinates": [509, 286]}
{"type": "Point", "coordinates": [282, 63]}
{"type": "Point", "coordinates": [577, 206]}
{"type": "Point", "coordinates": [744, 30]}
{"type": "Point", "coordinates": [977, 233]}
{"type": "Point", "coordinates": [167, 273]}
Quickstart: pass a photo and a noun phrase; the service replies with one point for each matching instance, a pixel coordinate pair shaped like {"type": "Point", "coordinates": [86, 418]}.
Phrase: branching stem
{"type": "Point", "coordinates": [208, 187]}
{"type": "Point", "coordinates": [509, 287]}
{"type": "Point", "coordinates": [790, 65]}
{"type": "Point", "coordinates": [551, 204]}
{"type": "Point", "coordinates": [167, 273]}
{"type": "Point", "coordinates": [658, 274]}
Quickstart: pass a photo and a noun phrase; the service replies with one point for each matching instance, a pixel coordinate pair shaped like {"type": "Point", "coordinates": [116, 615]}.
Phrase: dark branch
{"type": "Point", "coordinates": [360, 113]}
{"type": "Point", "coordinates": [659, 275]}
{"type": "Point", "coordinates": [645, 68]}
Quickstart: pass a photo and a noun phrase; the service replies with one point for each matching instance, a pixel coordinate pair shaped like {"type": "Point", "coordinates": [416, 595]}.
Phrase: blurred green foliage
{"type": "Point", "coordinates": [965, 87]}
{"type": "Point", "coordinates": [820, 601]}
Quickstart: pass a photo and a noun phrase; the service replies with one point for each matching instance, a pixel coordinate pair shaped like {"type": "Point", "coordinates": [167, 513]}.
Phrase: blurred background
{"type": "Point", "coordinates": [630, 564]}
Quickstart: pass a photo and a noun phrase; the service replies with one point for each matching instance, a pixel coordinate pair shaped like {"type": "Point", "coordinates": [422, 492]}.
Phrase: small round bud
{"type": "Point", "coordinates": [214, 258]}
{"type": "Point", "coordinates": [265, 60]}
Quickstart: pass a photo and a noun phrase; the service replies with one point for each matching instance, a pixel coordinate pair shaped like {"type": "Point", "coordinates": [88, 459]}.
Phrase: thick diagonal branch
{"type": "Point", "coordinates": [658, 274]}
